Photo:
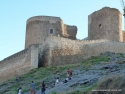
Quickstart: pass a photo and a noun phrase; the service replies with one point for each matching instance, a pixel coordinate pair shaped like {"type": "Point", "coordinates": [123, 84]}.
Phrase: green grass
{"type": "Point", "coordinates": [94, 60]}
{"type": "Point", "coordinates": [91, 88]}
{"type": "Point", "coordinates": [54, 92]}
{"type": "Point", "coordinates": [121, 55]}
{"type": "Point", "coordinates": [40, 74]}
{"type": "Point", "coordinates": [83, 90]}
{"type": "Point", "coordinates": [37, 75]}
{"type": "Point", "coordinates": [76, 92]}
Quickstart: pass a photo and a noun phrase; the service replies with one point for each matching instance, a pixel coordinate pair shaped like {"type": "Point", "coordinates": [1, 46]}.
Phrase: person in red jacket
{"type": "Point", "coordinates": [68, 73]}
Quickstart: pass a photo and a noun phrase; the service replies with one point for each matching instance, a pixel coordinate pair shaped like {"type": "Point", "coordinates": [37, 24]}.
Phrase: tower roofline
{"type": "Point", "coordinates": [52, 19]}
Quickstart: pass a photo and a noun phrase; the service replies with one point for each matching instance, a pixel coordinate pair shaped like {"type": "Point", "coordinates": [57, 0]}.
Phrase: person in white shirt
{"type": "Point", "coordinates": [20, 90]}
{"type": "Point", "coordinates": [66, 80]}
{"type": "Point", "coordinates": [57, 81]}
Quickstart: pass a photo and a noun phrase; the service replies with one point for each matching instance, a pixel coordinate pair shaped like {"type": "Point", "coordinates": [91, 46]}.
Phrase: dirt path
{"type": "Point", "coordinates": [87, 77]}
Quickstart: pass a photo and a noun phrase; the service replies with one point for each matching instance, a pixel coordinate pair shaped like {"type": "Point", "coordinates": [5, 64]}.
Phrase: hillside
{"type": "Point", "coordinates": [101, 72]}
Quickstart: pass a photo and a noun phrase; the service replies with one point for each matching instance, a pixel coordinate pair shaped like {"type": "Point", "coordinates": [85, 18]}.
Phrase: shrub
{"type": "Point", "coordinates": [111, 85]}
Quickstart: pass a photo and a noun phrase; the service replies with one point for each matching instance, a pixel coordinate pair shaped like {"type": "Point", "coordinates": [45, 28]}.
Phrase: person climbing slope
{"type": "Point", "coordinates": [32, 88]}
{"type": "Point", "coordinates": [20, 90]}
{"type": "Point", "coordinates": [68, 73]}
{"type": "Point", "coordinates": [43, 89]}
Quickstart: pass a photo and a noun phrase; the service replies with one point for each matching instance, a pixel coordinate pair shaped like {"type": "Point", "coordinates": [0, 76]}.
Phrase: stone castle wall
{"type": "Point", "coordinates": [123, 36]}
{"type": "Point", "coordinates": [70, 31]}
{"type": "Point", "coordinates": [38, 28]}
{"type": "Point", "coordinates": [105, 24]}
{"type": "Point", "coordinates": [55, 51]}
{"type": "Point", "coordinates": [46, 49]}
{"type": "Point", "coordinates": [44, 18]}
{"type": "Point", "coordinates": [66, 51]}
{"type": "Point", "coordinates": [19, 63]}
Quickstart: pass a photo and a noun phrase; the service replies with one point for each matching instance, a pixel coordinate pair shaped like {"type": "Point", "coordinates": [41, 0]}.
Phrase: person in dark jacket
{"type": "Point", "coordinates": [43, 89]}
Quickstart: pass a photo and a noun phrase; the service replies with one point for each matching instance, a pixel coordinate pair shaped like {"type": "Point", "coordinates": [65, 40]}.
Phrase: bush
{"type": "Point", "coordinates": [111, 85]}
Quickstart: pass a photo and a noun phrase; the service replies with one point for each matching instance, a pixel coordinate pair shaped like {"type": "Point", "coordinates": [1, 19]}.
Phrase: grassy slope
{"type": "Point", "coordinates": [39, 74]}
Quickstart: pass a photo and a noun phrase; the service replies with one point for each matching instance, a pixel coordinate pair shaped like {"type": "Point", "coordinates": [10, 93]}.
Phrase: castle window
{"type": "Point", "coordinates": [99, 25]}
{"type": "Point", "coordinates": [51, 31]}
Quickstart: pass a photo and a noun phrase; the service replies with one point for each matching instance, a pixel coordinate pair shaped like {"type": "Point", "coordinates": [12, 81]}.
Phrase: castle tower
{"type": "Point", "coordinates": [40, 27]}
{"type": "Point", "coordinates": [105, 24]}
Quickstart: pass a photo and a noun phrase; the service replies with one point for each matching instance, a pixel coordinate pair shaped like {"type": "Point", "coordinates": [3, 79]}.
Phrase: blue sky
{"type": "Point", "coordinates": [14, 14]}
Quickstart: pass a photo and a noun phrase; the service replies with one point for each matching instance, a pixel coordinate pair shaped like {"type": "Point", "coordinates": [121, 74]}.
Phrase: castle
{"type": "Point", "coordinates": [50, 42]}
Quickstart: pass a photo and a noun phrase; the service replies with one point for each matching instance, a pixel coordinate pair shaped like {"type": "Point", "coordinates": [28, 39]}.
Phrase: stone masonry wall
{"type": "Point", "coordinates": [34, 55]}
{"type": "Point", "coordinates": [71, 31]}
{"type": "Point", "coordinates": [38, 28]}
{"type": "Point", "coordinates": [19, 63]}
{"type": "Point", "coordinates": [44, 18]}
{"type": "Point", "coordinates": [15, 65]}
{"type": "Point", "coordinates": [105, 24]}
{"type": "Point", "coordinates": [55, 51]}
{"type": "Point", "coordinates": [123, 36]}
{"type": "Point", "coordinates": [66, 51]}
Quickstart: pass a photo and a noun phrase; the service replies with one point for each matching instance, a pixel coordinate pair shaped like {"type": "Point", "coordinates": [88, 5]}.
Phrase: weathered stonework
{"type": "Point", "coordinates": [38, 28]}
{"type": "Point", "coordinates": [65, 51]}
{"type": "Point", "coordinates": [123, 36]}
{"type": "Point", "coordinates": [105, 24]}
{"type": "Point", "coordinates": [45, 48]}
{"type": "Point", "coordinates": [19, 63]}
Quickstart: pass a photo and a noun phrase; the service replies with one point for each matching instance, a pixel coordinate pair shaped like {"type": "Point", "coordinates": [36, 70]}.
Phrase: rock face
{"type": "Point", "coordinates": [105, 24]}
{"type": "Point", "coordinates": [90, 76]}
{"type": "Point", "coordinates": [81, 77]}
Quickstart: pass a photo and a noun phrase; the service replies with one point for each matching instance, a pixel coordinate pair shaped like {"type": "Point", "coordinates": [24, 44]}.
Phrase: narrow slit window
{"type": "Point", "coordinates": [51, 31]}
{"type": "Point", "coordinates": [100, 25]}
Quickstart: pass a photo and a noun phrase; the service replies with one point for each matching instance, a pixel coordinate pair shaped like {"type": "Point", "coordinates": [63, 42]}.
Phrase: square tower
{"type": "Point", "coordinates": [105, 24]}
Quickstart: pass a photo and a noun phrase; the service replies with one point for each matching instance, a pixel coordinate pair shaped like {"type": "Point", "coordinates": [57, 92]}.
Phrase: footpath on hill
{"type": "Point", "coordinates": [90, 76]}
{"type": "Point", "coordinates": [85, 76]}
